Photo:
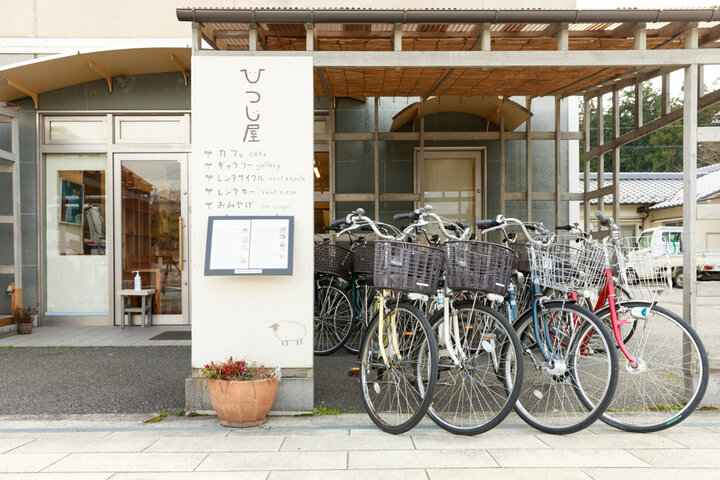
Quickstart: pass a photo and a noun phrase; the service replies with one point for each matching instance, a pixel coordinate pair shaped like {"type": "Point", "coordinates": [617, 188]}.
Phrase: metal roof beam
{"type": "Point", "coordinates": [671, 30]}
{"type": "Point", "coordinates": [620, 82]}
{"type": "Point", "coordinates": [710, 36]}
{"type": "Point", "coordinates": [484, 59]}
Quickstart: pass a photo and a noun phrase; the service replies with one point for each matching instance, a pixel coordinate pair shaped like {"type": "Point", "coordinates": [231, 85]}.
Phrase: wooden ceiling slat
{"type": "Point", "coordinates": [360, 83]}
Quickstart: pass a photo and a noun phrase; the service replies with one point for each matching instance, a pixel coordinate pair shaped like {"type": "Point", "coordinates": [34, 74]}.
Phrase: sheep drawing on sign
{"type": "Point", "coordinates": [288, 332]}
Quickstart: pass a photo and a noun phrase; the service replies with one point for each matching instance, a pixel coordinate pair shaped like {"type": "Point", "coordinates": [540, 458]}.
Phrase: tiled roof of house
{"type": "Point", "coordinates": [708, 184]}
{"type": "Point", "coordinates": [658, 189]}
{"type": "Point", "coordinates": [641, 187]}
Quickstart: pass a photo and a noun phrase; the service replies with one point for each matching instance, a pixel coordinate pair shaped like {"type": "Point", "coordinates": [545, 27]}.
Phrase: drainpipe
{"type": "Point", "coordinates": [644, 209]}
{"type": "Point", "coordinates": [284, 15]}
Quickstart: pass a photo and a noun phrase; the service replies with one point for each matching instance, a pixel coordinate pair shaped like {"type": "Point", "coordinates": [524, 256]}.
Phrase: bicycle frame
{"type": "Point", "coordinates": [356, 220]}
{"type": "Point", "coordinates": [607, 295]}
{"type": "Point", "coordinates": [535, 300]}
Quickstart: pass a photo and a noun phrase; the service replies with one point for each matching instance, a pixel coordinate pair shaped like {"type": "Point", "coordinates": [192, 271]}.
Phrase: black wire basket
{"type": "Point", "coordinates": [521, 261]}
{"type": "Point", "coordinates": [364, 254]}
{"type": "Point", "coordinates": [407, 267]}
{"type": "Point", "coordinates": [333, 260]}
{"type": "Point", "coordinates": [478, 266]}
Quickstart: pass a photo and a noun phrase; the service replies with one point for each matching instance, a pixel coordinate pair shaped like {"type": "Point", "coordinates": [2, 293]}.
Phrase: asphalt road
{"type": "Point", "coordinates": [333, 387]}
{"type": "Point", "coordinates": [131, 380]}
{"type": "Point", "coordinates": [93, 379]}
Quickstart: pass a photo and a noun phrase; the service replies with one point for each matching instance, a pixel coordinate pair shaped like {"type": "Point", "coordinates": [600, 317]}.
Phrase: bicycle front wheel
{"type": "Point", "coordinates": [581, 359]}
{"type": "Point", "coordinates": [471, 396]}
{"type": "Point", "coordinates": [398, 393]}
{"type": "Point", "coordinates": [333, 321]}
{"type": "Point", "coordinates": [670, 374]}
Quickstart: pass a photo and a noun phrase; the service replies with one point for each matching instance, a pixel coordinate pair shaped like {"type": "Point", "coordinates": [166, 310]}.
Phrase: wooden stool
{"type": "Point", "coordinates": [145, 307]}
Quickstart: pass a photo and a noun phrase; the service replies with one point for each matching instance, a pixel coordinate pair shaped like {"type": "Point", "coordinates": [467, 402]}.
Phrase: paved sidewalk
{"type": "Point", "coordinates": [123, 447]}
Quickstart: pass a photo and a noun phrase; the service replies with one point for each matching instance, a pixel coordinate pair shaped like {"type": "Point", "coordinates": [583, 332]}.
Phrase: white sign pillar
{"type": "Point", "coordinates": [252, 128]}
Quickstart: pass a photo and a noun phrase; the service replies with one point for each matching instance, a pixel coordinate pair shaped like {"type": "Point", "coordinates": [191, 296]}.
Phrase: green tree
{"type": "Point", "coordinates": [659, 151]}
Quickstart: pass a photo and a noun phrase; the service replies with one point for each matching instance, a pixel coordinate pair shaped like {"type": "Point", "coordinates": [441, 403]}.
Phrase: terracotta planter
{"type": "Point", "coordinates": [242, 404]}
{"type": "Point", "coordinates": [24, 328]}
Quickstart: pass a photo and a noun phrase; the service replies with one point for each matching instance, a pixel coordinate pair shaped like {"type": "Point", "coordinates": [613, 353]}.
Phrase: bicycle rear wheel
{"type": "Point", "coordinates": [471, 397]}
{"type": "Point", "coordinates": [333, 320]}
{"type": "Point", "coordinates": [671, 375]}
{"type": "Point", "coordinates": [583, 359]}
{"type": "Point", "coordinates": [397, 395]}
{"type": "Point", "coordinates": [363, 303]}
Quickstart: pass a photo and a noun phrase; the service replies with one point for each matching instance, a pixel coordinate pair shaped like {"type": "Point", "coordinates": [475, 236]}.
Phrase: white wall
{"type": "Point", "coordinates": [234, 315]}
{"type": "Point", "coordinates": [156, 18]}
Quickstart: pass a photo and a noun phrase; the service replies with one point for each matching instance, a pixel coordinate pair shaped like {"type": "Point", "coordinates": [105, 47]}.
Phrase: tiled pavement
{"type": "Point", "coordinates": [123, 447]}
{"type": "Point", "coordinates": [84, 336]}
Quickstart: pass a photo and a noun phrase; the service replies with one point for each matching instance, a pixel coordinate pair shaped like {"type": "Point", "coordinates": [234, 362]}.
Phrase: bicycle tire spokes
{"type": "Point", "coordinates": [395, 391]}
{"type": "Point", "coordinates": [473, 396]}
{"type": "Point", "coordinates": [582, 361]}
{"type": "Point", "coordinates": [333, 319]}
{"type": "Point", "coordinates": [671, 372]}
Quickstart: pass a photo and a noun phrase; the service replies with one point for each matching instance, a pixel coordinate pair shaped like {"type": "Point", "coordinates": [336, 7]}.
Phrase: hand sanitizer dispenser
{"type": "Point", "coordinates": [137, 281]}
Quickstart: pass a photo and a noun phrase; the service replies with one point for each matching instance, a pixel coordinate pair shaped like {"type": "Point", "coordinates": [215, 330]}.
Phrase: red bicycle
{"type": "Point", "coordinates": [664, 365]}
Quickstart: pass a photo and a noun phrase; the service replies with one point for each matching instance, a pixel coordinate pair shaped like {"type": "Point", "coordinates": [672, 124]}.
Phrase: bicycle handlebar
{"type": "Point", "coordinates": [604, 221]}
{"type": "Point", "coordinates": [411, 215]}
{"type": "Point", "coordinates": [461, 229]}
{"type": "Point", "coordinates": [356, 220]}
{"type": "Point", "coordinates": [564, 227]}
{"type": "Point", "coordinates": [500, 223]}
{"type": "Point", "coordinates": [490, 222]}
{"type": "Point", "coordinates": [336, 224]}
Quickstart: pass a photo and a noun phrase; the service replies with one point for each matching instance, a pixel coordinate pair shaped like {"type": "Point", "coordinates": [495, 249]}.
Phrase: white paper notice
{"type": "Point", "coordinates": [230, 247]}
{"type": "Point", "coordinates": [269, 243]}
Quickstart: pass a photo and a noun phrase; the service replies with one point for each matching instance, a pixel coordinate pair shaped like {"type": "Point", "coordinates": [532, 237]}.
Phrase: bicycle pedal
{"type": "Point", "coordinates": [445, 363]}
{"type": "Point", "coordinates": [353, 372]}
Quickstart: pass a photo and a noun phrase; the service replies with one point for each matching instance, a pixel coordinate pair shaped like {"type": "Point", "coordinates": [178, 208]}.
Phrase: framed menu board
{"type": "Point", "coordinates": [249, 246]}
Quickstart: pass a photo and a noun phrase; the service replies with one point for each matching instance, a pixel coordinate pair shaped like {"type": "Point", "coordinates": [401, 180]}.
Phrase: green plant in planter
{"type": "Point", "coordinates": [24, 317]}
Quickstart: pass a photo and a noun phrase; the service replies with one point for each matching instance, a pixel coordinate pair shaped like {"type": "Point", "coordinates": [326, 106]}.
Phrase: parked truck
{"type": "Point", "coordinates": [668, 242]}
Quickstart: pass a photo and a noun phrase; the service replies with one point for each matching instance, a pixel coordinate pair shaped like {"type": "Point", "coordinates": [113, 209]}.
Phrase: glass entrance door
{"type": "Point", "coordinates": [150, 203]}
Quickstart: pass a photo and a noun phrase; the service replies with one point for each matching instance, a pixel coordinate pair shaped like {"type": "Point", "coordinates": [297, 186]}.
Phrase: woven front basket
{"type": "Point", "coordinates": [364, 254]}
{"type": "Point", "coordinates": [407, 267]}
{"type": "Point", "coordinates": [333, 260]}
{"type": "Point", "coordinates": [521, 262]}
{"type": "Point", "coordinates": [478, 266]}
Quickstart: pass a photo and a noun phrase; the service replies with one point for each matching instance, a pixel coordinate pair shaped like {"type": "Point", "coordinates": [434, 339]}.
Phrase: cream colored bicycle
{"type": "Point", "coordinates": [398, 355]}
